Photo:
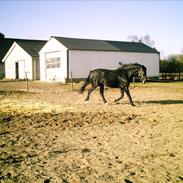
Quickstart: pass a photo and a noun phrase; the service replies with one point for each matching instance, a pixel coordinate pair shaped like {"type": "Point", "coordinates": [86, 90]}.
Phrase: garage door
{"type": "Point", "coordinates": [53, 65]}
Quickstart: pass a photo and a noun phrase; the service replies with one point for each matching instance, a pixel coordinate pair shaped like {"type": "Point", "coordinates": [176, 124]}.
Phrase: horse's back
{"type": "Point", "coordinates": [106, 77]}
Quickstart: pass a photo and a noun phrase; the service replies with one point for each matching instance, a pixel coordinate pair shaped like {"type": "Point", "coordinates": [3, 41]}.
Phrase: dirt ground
{"type": "Point", "coordinates": [51, 135]}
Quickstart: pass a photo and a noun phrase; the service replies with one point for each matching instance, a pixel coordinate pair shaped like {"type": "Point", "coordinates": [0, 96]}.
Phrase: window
{"type": "Point", "coordinates": [53, 62]}
{"type": "Point", "coordinates": [53, 59]}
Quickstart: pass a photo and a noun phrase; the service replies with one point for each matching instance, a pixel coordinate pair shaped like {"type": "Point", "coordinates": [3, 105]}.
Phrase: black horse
{"type": "Point", "coordinates": [119, 78]}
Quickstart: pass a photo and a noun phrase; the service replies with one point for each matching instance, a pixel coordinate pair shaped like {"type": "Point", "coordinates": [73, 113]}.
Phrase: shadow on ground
{"type": "Point", "coordinates": [163, 102]}
{"type": "Point", "coordinates": [15, 92]}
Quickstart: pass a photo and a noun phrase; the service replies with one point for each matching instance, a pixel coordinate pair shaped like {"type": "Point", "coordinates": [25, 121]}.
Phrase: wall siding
{"type": "Point", "coordinates": [81, 62]}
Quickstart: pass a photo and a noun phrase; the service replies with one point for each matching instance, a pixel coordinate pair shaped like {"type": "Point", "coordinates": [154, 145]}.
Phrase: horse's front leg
{"type": "Point", "coordinates": [129, 96]}
{"type": "Point", "coordinates": [102, 92]}
{"type": "Point", "coordinates": [122, 95]}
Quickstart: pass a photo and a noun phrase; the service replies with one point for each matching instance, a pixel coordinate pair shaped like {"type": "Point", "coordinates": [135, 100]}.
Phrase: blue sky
{"type": "Point", "coordinates": [109, 20]}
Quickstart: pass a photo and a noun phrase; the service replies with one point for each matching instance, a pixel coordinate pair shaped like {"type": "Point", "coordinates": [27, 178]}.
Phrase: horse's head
{"type": "Point", "coordinates": [135, 70]}
{"type": "Point", "coordinates": [142, 74]}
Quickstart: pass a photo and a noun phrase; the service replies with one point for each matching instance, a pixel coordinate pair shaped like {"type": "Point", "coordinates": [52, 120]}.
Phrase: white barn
{"type": "Point", "coordinates": [62, 57]}
{"type": "Point", "coordinates": [22, 60]}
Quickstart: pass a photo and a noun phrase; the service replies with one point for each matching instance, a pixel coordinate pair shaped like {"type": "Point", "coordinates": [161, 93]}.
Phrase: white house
{"type": "Point", "coordinates": [22, 59]}
{"type": "Point", "coordinates": [62, 57]}
{"type": "Point", "coordinates": [5, 44]}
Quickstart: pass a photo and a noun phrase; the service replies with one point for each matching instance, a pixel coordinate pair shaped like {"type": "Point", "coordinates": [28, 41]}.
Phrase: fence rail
{"type": "Point", "coordinates": [171, 76]}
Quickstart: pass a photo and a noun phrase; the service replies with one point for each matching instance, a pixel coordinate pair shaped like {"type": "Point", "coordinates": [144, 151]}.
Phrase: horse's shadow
{"type": "Point", "coordinates": [139, 103]}
{"type": "Point", "coordinates": [163, 102]}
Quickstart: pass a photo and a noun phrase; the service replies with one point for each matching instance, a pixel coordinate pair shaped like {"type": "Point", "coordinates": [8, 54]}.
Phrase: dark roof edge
{"type": "Point", "coordinates": [113, 50]}
{"type": "Point", "coordinates": [91, 39]}
{"type": "Point", "coordinates": [155, 51]}
{"type": "Point", "coordinates": [19, 39]}
{"type": "Point", "coordinates": [151, 48]}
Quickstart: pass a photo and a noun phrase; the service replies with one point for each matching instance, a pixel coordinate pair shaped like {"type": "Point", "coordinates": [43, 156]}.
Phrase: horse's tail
{"type": "Point", "coordinates": [86, 83]}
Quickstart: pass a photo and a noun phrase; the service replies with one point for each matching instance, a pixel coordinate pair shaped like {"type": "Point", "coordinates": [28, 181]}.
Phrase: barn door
{"type": "Point", "coordinates": [16, 70]}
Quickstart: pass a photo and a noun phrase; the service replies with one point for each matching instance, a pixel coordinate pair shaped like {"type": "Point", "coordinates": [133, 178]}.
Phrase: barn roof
{"type": "Point", "coordinates": [30, 46]}
{"type": "Point", "coordinates": [104, 45]}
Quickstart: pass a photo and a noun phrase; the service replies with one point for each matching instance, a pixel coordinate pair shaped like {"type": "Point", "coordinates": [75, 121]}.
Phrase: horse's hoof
{"type": "Point", "coordinates": [80, 92]}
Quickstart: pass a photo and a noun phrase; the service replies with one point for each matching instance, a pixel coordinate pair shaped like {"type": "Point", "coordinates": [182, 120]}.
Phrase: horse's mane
{"type": "Point", "coordinates": [130, 65]}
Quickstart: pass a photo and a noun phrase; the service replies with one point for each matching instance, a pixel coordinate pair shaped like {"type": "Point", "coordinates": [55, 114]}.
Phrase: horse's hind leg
{"type": "Point", "coordinates": [81, 90]}
{"type": "Point", "coordinates": [89, 92]}
{"type": "Point", "coordinates": [102, 92]}
{"type": "Point", "coordinates": [122, 95]}
{"type": "Point", "coordinates": [129, 96]}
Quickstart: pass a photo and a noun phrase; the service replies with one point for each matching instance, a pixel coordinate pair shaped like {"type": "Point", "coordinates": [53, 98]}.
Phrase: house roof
{"type": "Point", "coordinates": [30, 46]}
{"type": "Point", "coordinates": [104, 45]}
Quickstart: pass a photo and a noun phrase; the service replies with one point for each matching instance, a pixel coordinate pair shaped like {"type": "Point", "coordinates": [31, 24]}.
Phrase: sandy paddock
{"type": "Point", "coordinates": [51, 135]}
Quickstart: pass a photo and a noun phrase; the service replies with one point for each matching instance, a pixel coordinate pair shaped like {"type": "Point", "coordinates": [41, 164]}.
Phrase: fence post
{"type": "Point", "coordinates": [27, 82]}
{"type": "Point", "coordinates": [72, 82]}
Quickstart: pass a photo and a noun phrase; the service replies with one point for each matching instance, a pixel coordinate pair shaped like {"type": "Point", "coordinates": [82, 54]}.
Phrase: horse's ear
{"type": "Point", "coordinates": [141, 69]}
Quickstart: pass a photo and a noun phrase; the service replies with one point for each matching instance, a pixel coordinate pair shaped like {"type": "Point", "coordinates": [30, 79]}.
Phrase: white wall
{"type": "Point", "coordinates": [17, 54]}
{"type": "Point", "coordinates": [53, 47]}
{"type": "Point", "coordinates": [81, 62]}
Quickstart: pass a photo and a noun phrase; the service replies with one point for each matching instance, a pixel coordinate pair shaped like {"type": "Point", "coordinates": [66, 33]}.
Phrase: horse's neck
{"type": "Point", "coordinates": [132, 72]}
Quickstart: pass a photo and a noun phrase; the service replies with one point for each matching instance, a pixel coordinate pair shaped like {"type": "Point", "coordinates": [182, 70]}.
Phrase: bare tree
{"type": "Point", "coordinates": [144, 39]}
{"type": "Point", "coordinates": [133, 38]}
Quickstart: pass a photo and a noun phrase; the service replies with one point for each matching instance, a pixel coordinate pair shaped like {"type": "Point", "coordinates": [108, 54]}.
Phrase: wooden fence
{"type": "Point", "coordinates": [171, 76]}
